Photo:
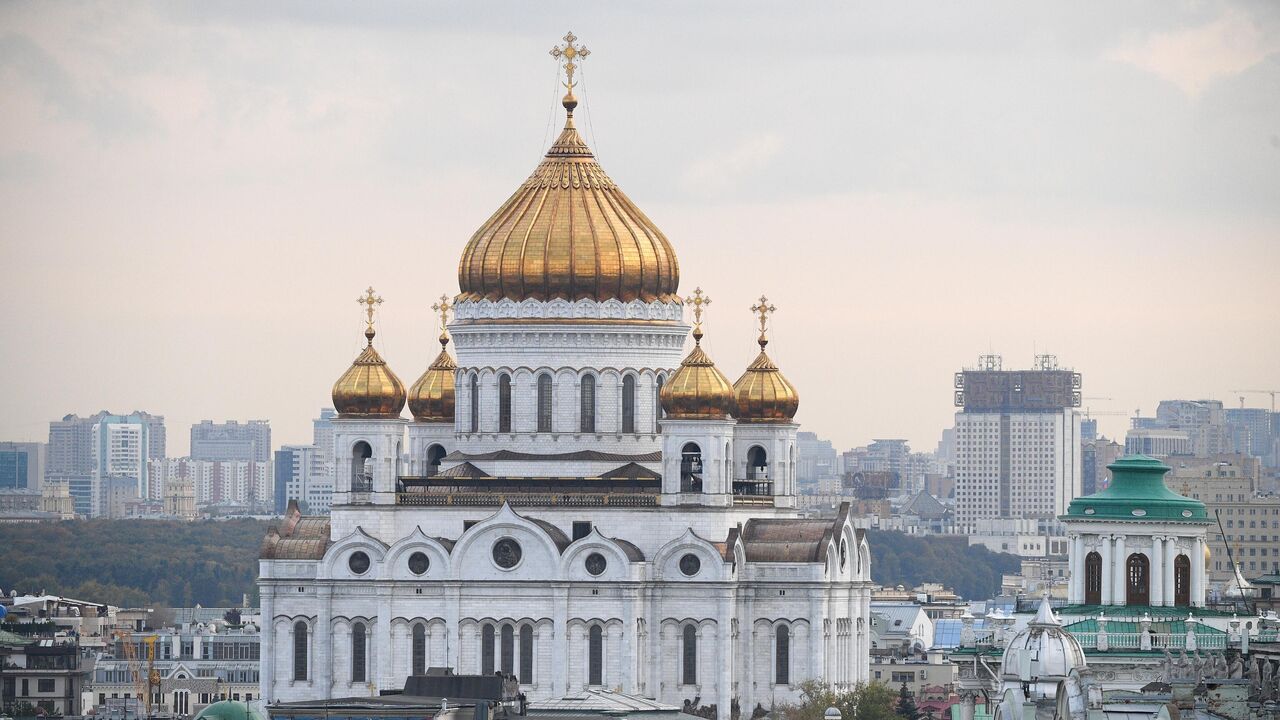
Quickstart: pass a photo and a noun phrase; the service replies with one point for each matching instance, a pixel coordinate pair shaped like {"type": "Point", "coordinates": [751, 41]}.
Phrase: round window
{"type": "Point", "coordinates": [596, 563]}
{"type": "Point", "coordinates": [358, 562]}
{"type": "Point", "coordinates": [690, 564]}
{"type": "Point", "coordinates": [506, 553]}
{"type": "Point", "coordinates": [418, 563]}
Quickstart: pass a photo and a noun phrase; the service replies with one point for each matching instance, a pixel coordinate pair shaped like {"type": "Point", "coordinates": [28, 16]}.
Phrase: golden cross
{"type": "Point", "coordinates": [764, 310]}
{"type": "Point", "coordinates": [443, 307]}
{"type": "Point", "coordinates": [699, 301]}
{"type": "Point", "coordinates": [370, 301]}
{"type": "Point", "coordinates": [569, 51]}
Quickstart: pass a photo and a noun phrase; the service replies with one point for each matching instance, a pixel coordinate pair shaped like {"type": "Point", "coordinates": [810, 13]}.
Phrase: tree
{"type": "Point", "coordinates": [866, 701]}
{"type": "Point", "coordinates": [907, 704]}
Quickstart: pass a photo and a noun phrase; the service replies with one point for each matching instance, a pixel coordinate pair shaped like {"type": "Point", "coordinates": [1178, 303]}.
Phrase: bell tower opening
{"type": "Point", "coordinates": [691, 468]}
{"type": "Point", "coordinates": [435, 454]}
{"type": "Point", "coordinates": [361, 471]}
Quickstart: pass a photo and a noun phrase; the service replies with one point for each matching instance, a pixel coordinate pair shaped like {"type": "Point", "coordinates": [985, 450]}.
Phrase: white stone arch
{"type": "Point", "coordinates": [666, 560]}
{"type": "Point", "coordinates": [506, 308]}
{"type": "Point", "coordinates": [585, 309]}
{"type": "Point", "coordinates": [573, 561]}
{"type": "Point", "coordinates": [334, 564]}
{"type": "Point", "coordinates": [612, 308]}
{"type": "Point", "coordinates": [864, 558]}
{"type": "Point", "coordinates": [472, 559]}
{"type": "Point", "coordinates": [530, 308]}
{"type": "Point", "coordinates": [283, 626]}
{"type": "Point", "coordinates": [396, 567]}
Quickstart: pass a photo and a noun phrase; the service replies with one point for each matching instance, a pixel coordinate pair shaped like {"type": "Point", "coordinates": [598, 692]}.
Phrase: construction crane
{"type": "Point", "coordinates": [1272, 393]}
{"type": "Point", "coordinates": [143, 682]}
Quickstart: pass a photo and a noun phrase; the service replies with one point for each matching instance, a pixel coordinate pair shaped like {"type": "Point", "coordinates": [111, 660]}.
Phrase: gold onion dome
{"type": "Point", "coordinates": [368, 389]}
{"type": "Point", "coordinates": [431, 399]}
{"type": "Point", "coordinates": [698, 390]}
{"type": "Point", "coordinates": [764, 394]}
{"type": "Point", "coordinates": [569, 232]}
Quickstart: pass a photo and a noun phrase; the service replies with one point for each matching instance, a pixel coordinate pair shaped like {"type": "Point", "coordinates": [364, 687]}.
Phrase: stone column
{"type": "Point", "coordinates": [628, 644]}
{"type": "Point", "coordinates": [1197, 573]}
{"type": "Point", "coordinates": [1120, 557]}
{"type": "Point", "coordinates": [267, 642]}
{"type": "Point", "coordinates": [322, 647]}
{"type": "Point", "coordinates": [968, 705]}
{"type": "Point", "coordinates": [1155, 583]}
{"type": "Point", "coordinates": [1075, 596]}
{"type": "Point", "coordinates": [724, 634]}
{"type": "Point", "coordinates": [1170, 555]}
{"type": "Point", "coordinates": [382, 646]}
{"type": "Point", "coordinates": [560, 640]}
{"type": "Point", "coordinates": [1108, 573]}
{"type": "Point", "coordinates": [453, 628]}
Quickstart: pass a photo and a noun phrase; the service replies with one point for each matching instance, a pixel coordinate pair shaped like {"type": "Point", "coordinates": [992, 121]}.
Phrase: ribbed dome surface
{"type": "Point", "coordinates": [431, 399]}
{"type": "Point", "coordinates": [764, 395]}
{"type": "Point", "coordinates": [569, 232]}
{"type": "Point", "coordinates": [368, 388]}
{"type": "Point", "coordinates": [698, 390]}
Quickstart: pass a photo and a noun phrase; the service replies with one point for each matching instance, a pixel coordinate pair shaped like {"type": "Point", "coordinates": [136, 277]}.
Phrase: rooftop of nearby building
{"type": "Point", "coordinates": [1137, 491]}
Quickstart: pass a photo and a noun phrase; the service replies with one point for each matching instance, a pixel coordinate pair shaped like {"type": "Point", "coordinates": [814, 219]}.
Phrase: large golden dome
{"type": "Point", "coordinates": [569, 232]}
{"type": "Point", "coordinates": [368, 389]}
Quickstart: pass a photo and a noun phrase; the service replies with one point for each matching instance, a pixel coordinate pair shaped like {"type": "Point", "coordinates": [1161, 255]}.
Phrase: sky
{"type": "Point", "coordinates": [193, 195]}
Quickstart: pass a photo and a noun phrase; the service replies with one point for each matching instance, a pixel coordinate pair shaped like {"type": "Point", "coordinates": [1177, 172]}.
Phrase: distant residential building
{"type": "Point", "coordinates": [1158, 442]}
{"type": "Point", "coordinates": [298, 477]}
{"type": "Point", "coordinates": [1088, 429]}
{"type": "Point", "coordinates": [121, 450]}
{"type": "Point", "coordinates": [21, 465]}
{"type": "Point", "coordinates": [180, 498]}
{"type": "Point", "coordinates": [1204, 421]}
{"type": "Point", "coordinates": [1252, 431]}
{"type": "Point", "coordinates": [322, 438]}
{"type": "Point", "coordinates": [816, 459]}
{"type": "Point", "coordinates": [220, 482]}
{"type": "Point", "coordinates": [231, 440]}
{"type": "Point", "coordinates": [1095, 456]}
{"type": "Point", "coordinates": [56, 499]}
{"type": "Point", "coordinates": [1017, 442]}
{"type": "Point", "coordinates": [72, 454]}
{"type": "Point", "coordinates": [1228, 486]}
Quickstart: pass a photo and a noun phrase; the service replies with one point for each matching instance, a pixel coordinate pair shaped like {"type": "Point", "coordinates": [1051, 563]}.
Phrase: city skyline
{"type": "Point", "coordinates": [189, 196]}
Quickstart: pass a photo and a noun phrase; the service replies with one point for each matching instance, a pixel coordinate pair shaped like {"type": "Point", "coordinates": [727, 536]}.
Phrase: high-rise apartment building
{"type": "Point", "coordinates": [296, 478]}
{"type": "Point", "coordinates": [1017, 441]}
{"type": "Point", "coordinates": [816, 459]}
{"type": "Point", "coordinates": [1203, 420]}
{"type": "Point", "coordinates": [121, 450]}
{"type": "Point", "coordinates": [21, 465]}
{"type": "Point", "coordinates": [71, 455]}
{"type": "Point", "coordinates": [250, 442]}
{"type": "Point", "coordinates": [1252, 432]}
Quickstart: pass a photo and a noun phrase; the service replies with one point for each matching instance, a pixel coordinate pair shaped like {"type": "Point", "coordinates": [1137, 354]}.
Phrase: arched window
{"type": "Point", "coordinates": [1093, 579]}
{"type": "Point", "coordinates": [629, 403]}
{"type": "Point", "coordinates": [689, 656]}
{"type": "Point", "coordinates": [544, 403]}
{"type": "Point", "coordinates": [587, 411]}
{"type": "Point", "coordinates": [526, 654]}
{"type": "Point", "coordinates": [475, 403]}
{"type": "Point", "coordinates": [782, 656]}
{"type": "Point", "coordinates": [435, 454]}
{"type": "Point", "coordinates": [657, 405]}
{"type": "Point", "coordinates": [300, 650]}
{"type": "Point", "coordinates": [358, 655]}
{"type": "Point", "coordinates": [1182, 581]}
{"type": "Point", "coordinates": [757, 463]}
{"type": "Point", "coordinates": [504, 403]}
{"type": "Point", "coordinates": [1138, 580]}
{"type": "Point", "coordinates": [486, 649]}
{"type": "Point", "coordinates": [361, 472]}
{"type": "Point", "coordinates": [419, 653]}
{"type": "Point", "coordinates": [595, 656]}
{"type": "Point", "coordinates": [508, 650]}
{"type": "Point", "coordinates": [691, 468]}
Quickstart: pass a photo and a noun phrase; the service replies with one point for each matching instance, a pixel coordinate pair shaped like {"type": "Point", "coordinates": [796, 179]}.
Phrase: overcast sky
{"type": "Point", "coordinates": [192, 195]}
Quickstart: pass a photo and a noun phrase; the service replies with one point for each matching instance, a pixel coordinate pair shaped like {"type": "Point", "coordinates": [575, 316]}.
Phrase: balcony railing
{"type": "Point", "coordinates": [484, 499]}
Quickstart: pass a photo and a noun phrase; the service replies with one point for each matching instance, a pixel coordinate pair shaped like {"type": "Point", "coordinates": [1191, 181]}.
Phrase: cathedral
{"type": "Point", "coordinates": [576, 500]}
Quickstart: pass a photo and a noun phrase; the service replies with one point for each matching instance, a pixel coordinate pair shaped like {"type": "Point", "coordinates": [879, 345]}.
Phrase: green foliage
{"type": "Point", "coordinates": [907, 705]}
{"type": "Point", "coordinates": [973, 572]}
{"type": "Point", "coordinates": [135, 563]}
{"type": "Point", "coordinates": [873, 701]}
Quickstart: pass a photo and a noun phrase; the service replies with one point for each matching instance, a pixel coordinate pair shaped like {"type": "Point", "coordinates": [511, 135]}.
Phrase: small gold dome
{"type": "Point", "coordinates": [368, 389]}
{"type": "Point", "coordinates": [431, 399]}
{"type": "Point", "coordinates": [698, 390]}
{"type": "Point", "coordinates": [764, 395]}
{"type": "Point", "coordinates": [569, 232]}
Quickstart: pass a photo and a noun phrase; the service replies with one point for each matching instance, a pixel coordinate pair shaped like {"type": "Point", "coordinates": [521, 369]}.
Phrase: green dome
{"type": "Point", "coordinates": [229, 710]}
{"type": "Point", "coordinates": [1137, 491]}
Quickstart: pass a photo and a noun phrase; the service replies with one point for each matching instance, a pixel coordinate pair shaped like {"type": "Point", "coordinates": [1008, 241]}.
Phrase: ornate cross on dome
{"type": "Point", "coordinates": [699, 301]}
{"type": "Point", "coordinates": [443, 307]}
{"type": "Point", "coordinates": [764, 310]}
{"type": "Point", "coordinates": [569, 52]}
{"type": "Point", "coordinates": [370, 301]}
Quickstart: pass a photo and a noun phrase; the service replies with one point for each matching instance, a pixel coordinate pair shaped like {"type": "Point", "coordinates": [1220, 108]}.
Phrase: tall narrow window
{"type": "Point", "coordinates": [475, 403]}
{"type": "Point", "coordinates": [782, 656]}
{"type": "Point", "coordinates": [361, 472]}
{"type": "Point", "coordinates": [1138, 585]}
{"type": "Point", "coordinates": [544, 403]}
{"type": "Point", "coordinates": [419, 650]}
{"type": "Point", "coordinates": [1093, 579]}
{"type": "Point", "coordinates": [1182, 581]}
{"type": "Point", "coordinates": [486, 649]}
{"type": "Point", "coordinates": [504, 403]}
{"type": "Point", "coordinates": [689, 656]}
{"type": "Point", "coordinates": [587, 412]}
{"type": "Point", "coordinates": [595, 656]}
{"type": "Point", "coordinates": [508, 650]}
{"type": "Point", "coordinates": [358, 655]}
{"type": "Point", "coordinates": [526, 654]}
{"type": "Point", "coordinates": [300, 650]}
{"type": "Point", "coordinates": [657, 405]}
{"type": "Point", "coordinates": [629, 404]}
{"type": "Point", "coordinates": [435, 454]}
{"type": "Point", "coordinates": [691, 468]}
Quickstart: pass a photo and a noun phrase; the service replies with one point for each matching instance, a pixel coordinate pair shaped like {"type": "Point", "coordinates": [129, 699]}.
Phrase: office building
{"type": "Point", "coordinates": [248, 442]}
{"type": "Point", "coordinates": [21, 465]}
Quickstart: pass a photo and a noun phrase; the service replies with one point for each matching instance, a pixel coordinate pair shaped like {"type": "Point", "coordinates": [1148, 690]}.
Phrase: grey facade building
{"type": "Point", "coordinates": [21, 465]}
{"type": "Point", "coordinates": [250, 442]}
{"type": "Point", "coordinates": [71, 456]}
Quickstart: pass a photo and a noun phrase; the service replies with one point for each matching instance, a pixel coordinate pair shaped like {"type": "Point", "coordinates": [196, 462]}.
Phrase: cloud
{"type": "Point", "coordinates": [721, 172]}
{"type": "Point", "coordinates": [1193, 58]}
